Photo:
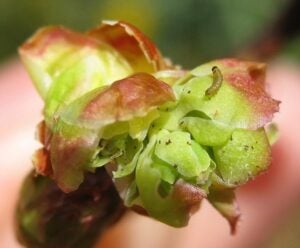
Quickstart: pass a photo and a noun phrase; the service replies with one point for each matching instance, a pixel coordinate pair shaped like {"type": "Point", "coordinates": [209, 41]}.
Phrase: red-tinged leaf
{"type": "Point", "coordinates": [248, 79]}
{"type": "Point", "coordinates": [64, 65]}
{"type": "Point", "coordinates": [45, 48]}
{"type": "Point", "coordinates": [138, 49]}
{"type": "Point", "coordinates": [223, 199]}
{"type": "Point", "coordinates": [70, 156]}
{"type": "Point", "coordinates": [244, 156]}
{"type": "Point", "coordinates": [41, 157]}
{"type": "Point", "coordinates": [189, 195]}
{"type": "Point", "coordinates": [127, 98]}
{"type": "Point", "coordinates": [42, 163]}
{"type": "Point", "coordinates": [39, 43]}
{"type": "Point", "coordinates": [43, 134]}
{"type": "Point", "coordinates": [174, 208]}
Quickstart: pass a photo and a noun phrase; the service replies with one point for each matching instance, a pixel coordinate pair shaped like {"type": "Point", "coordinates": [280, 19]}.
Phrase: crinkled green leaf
{"type": "Point", "coordinates": [139, 126]}
{"type": "Point", "coordinates": [78, 131]}
{"type": "Point", "coordinates": [176, 149]}
{"type": "Point", "coordinates": [206, 132]}
{"type": "Point", "coordinates": [124, 167]}
{"type": "Point", "coordinates": [168, 173]}
{"type": "Point", "coordinates": [246, 154]}
{"type": "Point", "coordinates": [115, 129]}
{"type": "Point", "coordinates": [205, 161]}
{"type": "Point", "coordinates": [169, 119]}
{"type": "Point", "coordinates": [173, 209]}
{"type": "Point", "coordinates": [227, 106]}
{"type": "Point", "coordinates": [247, 93]}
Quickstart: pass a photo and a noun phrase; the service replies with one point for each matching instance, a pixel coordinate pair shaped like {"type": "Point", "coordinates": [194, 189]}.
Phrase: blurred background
{"type": "Point", "coordinates": [189, 32]}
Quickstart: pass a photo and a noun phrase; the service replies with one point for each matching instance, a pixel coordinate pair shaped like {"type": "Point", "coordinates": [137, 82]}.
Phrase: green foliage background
{"type": "Point", "coordinates": [189, 32]}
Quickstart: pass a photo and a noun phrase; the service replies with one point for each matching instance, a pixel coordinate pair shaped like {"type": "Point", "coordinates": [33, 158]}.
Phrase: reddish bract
{"type": "Point", "coordinates": [38, 44]}
{"type": "Point", "coordinates": [137, 48]}
{"type": "Point", "coordinates": [249, 79]}
{"type": "Point", "coordinates": [127, 98]}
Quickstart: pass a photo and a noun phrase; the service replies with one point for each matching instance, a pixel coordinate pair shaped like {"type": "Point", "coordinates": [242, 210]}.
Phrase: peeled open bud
{"type": "Point", "coordinates": [168, 138]}
{"type": "Point", "coordinates": [162, 145]}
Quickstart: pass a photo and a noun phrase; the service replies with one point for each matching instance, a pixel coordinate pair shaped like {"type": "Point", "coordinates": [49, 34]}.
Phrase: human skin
{"type": "Point", "coordinates": [264, 202]}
